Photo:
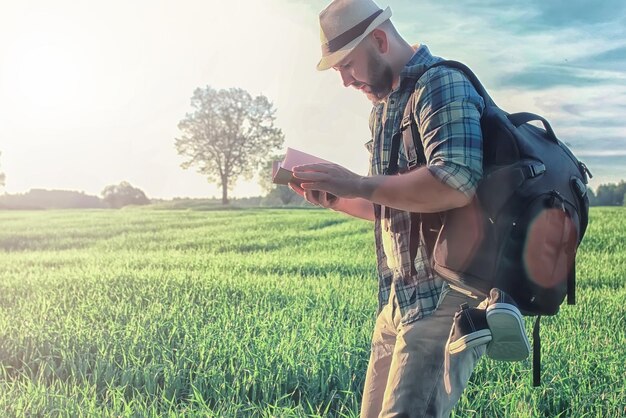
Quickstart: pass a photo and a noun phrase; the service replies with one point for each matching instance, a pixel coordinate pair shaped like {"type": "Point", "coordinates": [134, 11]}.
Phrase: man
{"type": "Point", "coordinates": [411, 371]}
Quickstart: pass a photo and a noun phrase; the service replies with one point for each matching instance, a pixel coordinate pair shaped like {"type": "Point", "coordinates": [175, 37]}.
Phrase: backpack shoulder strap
{"type": "Point", "coordinates": [411, 137]}
{"type": "Point", "coordinates": [470, 76]}
{"type": "Point", "coordinates": [409, 133]}
{"type": "Point", "coordinates": [424, 227]}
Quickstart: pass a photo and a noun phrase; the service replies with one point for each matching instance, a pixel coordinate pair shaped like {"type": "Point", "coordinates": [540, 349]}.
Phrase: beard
{"type": "Point", "coordinates": [381, 79]}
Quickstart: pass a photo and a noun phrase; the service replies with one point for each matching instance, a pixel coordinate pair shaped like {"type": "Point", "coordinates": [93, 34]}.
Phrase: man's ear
{"type": "Point", "coordinates": [380, 40]}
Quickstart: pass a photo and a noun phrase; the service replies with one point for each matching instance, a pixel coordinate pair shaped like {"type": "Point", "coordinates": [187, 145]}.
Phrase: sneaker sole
{"type": "Point", "coordinates": [469, 341]}
{"type": "Point", "coordinates": [508, 336]}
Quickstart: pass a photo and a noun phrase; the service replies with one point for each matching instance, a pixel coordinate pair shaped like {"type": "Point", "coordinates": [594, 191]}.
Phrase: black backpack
{"type": "Point", "coordinates": [521, 231]}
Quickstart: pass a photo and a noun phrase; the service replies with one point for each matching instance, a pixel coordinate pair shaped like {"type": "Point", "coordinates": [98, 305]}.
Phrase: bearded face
{"type": "Point", "coordinates": [377, 79]}
{"type": "Point", "coordinates": [366, 70]}
{"type": "Point", "coordinates": [381, 78]}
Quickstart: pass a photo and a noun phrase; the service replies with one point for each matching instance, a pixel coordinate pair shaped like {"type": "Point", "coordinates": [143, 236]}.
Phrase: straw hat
{"type": "Point", "coordinates": [345, 23]}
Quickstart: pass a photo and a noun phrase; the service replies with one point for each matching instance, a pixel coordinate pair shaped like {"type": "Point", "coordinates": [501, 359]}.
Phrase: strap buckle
{"type": "Point", "coordinates": [585, 170]}
{"type": "Point", "coordinates": [535, 170]}
{"type": "Point", "coordinates": [406, 122]}
{"type": "Point", "coordinates": [412, 164]}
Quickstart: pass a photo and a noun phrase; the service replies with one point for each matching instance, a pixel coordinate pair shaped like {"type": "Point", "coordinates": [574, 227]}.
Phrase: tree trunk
{"type": "Point", "coordinates": [286, 194]}
{"type": "Point", "coordinates": [224, 191]}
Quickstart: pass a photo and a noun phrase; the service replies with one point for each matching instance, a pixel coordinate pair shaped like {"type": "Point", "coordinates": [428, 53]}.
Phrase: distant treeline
{"type": "Point", "coordinates": [609, 195]}
{"type": "Point", "coordinates": [606, 195]}
{"type": "Point", "coordinates": [114, 196]}
{"type": "Point", "coordinates": [40, 199]}
{"type": "Point", "coordinates": [51, 199]}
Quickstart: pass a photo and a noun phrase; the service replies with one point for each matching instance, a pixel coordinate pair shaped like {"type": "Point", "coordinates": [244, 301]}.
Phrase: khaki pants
{"type": "Point", "coordinates": [410, 373]}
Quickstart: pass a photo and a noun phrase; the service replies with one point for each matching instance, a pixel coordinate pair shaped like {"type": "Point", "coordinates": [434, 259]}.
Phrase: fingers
{"type": "Point", "coordinates": [312, 191]}
{"type": "Point", "coordinates": [300, 188]}
{"type": "Point", "coordinates": [327, 199]}
{"type": "Point", "coordinates": [296, 188]}
{"type": "Point", "coordinates": [316, 187]}
{"type": "Point", "coordinates": [313, 197]}
{"type": "Point", "coordinates": [310, 195]}
{"type": "Point", "coordinates": [319, 167]}
{"type": "Point", "coordinates": [310, 175]}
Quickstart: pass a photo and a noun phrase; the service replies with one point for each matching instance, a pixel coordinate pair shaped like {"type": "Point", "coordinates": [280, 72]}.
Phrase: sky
{"type": "Point", "coordinates": [91, 93]}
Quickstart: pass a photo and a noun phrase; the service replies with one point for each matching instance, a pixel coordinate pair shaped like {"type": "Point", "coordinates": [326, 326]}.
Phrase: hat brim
{"type": "Point", "coordinates": [331, 60]}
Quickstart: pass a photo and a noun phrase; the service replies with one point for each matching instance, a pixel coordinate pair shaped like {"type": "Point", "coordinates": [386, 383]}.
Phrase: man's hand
{"type": "Point", "coordinates": [315, 197]}
{"type": "Point", "coordinates": [330, 178]}
{"type": "Point", "coordinates": [359, 208]}
{"type": "Point", "coordinates": [416, 191]}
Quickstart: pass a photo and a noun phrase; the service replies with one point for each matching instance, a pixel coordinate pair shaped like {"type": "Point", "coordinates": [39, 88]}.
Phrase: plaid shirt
{"type": "Point", "coordinates": [447, 112]}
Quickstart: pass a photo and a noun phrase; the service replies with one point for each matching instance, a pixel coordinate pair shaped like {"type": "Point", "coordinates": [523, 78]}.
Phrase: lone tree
{"type": "Point", "coordinates": [123, 194]}
{"type": "Point", "coordinates": [228, 134]}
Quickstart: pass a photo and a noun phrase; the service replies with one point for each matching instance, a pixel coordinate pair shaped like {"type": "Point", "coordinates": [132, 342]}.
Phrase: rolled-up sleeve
{"type": "Point", "coordinates": [448, 111]}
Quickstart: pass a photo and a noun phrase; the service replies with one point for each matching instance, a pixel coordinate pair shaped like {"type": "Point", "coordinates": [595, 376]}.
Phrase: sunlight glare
{"type": "Point", "coordinates": [44, 74]}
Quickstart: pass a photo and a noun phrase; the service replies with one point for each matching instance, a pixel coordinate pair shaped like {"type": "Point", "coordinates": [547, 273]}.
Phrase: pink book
{"type": "Point", "coordinates": [282, 171]}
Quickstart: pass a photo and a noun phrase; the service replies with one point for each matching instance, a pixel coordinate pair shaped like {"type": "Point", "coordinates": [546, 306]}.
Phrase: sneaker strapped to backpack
{"type": "Point", "coordinates": [500, 326]}
{"type": "Point", "coordinates": [470, 329]}
{"type": "Point", "coordinates": [509, 341]}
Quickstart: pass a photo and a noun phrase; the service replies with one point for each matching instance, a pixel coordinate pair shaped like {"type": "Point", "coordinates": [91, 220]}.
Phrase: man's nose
{"type": "Point", "coordinates": [347, 79]}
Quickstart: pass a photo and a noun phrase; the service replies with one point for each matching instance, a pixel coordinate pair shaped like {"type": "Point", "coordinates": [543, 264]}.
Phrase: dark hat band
{"type": "Point", "coordinates": [348, 36]}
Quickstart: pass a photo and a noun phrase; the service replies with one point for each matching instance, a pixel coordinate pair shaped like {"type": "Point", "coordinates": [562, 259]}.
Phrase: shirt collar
{"type": "Point", "coordinates": [419, 62]}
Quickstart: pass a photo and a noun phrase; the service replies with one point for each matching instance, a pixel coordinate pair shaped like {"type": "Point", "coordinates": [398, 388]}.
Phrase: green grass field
{"type": "Point", "coordinates": [256, 313]}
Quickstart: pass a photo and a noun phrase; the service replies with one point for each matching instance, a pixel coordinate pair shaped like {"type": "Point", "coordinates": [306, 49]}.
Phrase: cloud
{"type": "Point", "coordinates": [608, 153]}
{"type": "Point", "coordinates": [592, 102]}
{"type": "Point", "coordinates": [598, 145]}
{"type": "Point", "coordinates": [613, 59]}
{"type": "Point", "coordinates": [605, 122]}
{"type": "Point", "coordinates": [605, 169]}
{"type": "Point", "coordinates": [550, 15]}
{"type": "Point", "coordinates": [545, 76]}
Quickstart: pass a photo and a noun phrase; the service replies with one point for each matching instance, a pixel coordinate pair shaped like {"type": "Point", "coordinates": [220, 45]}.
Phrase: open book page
{"type": "Point", "coordinates": [282, 170]}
